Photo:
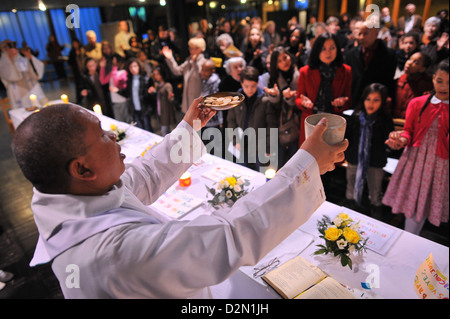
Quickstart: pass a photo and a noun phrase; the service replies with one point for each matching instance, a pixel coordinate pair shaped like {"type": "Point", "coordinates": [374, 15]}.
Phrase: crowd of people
{"type": "Point", "coordinates": [381, 70]}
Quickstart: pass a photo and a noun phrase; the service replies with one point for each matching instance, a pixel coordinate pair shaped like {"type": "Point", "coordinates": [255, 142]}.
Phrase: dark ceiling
{"type": "Point", "coordinates": [6, 5]}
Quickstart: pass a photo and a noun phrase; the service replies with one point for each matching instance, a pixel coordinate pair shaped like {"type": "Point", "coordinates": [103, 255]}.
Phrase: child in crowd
{"type": "Point", "coordinates": [419, 186]}
{"type": "Point", "coordinates": [91, 87]}
{"type": "Point", "coordinates": [210, 85]}
{"type": "Point", "coordinates": [254, 113]}
{"type": "Point", "coordinates": [413, 83]}
{"type": "Point", "coordinates": [143, 60]}
{"type": "Point", "coordinates": [164, 100]}
{"type": "Point", "coordinates": [117, 80]}
{"type": "Point", "coordinates": [408, 45]}
{"type": "Point", "coordinates": [367, 130]}
{"type": "Point", "coordinates": [137, 91]}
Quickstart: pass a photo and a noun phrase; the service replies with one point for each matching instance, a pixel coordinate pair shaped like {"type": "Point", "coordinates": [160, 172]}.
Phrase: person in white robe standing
{"type": "Point", "coordinates": [20, 75]}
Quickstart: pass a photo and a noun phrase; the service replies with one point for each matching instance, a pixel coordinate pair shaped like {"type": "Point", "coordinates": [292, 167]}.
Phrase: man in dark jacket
{"type": "Point", "coordinates": [371, 62]}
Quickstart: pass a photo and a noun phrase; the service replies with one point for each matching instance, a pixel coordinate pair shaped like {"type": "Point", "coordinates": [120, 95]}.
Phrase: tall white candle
{"type": "Point", "coordinates": [33, 100]}
{"type": "Point", "coordinates": [270, 173]}
{"type": "Point", "coordinates": [98, 109]}
{"type": "Point", "coordinates": [65, 98]}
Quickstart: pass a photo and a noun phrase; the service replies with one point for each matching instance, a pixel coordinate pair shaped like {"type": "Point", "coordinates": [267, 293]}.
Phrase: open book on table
{"type": "Point", "coordinates": [299, 279]}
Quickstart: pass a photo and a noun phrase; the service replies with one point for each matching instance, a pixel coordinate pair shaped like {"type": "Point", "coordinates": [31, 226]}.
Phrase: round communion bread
{"type": "Point", "coordinates": [221, 101]}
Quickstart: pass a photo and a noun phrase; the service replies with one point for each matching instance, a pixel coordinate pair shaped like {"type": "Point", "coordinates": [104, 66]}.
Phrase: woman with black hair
{"type": "Point", "coordinates": [324, 85]}
{"type": "Point", "coordinates": [419, 187]}
{"type": "Point", "coordinates": [367, 130]}
{"type": "Point", "coordinates": [135, 48]}
{"type": "Point", "coordinates": [281, 90]}
{"type": "Point", "coordinates": [297, 46]}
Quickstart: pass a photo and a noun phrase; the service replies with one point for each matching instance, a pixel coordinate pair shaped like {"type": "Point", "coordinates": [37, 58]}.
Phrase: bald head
{"type": "Point", "coordinates": [45, 143]}
{"type": "Point", "coordinates": [208, 68]}
{"type": "Point", "coordinates": [410, 9]}
{"type": "Point", "coordinates": [368, 34]}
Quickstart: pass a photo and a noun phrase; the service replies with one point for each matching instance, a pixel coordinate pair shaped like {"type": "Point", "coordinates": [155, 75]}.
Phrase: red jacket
{"type": "Point", "coordinates": [309, 84]}
{"type": "Point", "coordinates": [415, 131]}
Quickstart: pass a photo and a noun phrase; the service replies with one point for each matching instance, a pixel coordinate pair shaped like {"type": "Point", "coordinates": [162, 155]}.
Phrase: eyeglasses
{"type": "Point", "coordinates": [261, 271]}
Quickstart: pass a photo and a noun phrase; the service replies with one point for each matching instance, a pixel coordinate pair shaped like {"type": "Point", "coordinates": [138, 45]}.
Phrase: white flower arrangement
{"type": "Point", "coordinates": [342, 238]}
{"type": "Point", "coordinates": [228, 190]}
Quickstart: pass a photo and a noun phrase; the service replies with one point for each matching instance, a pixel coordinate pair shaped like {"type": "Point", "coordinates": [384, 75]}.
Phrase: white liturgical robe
{"type": "Point", "coordinates": [175, 259]}
{"type": "Point", "coordinates": [21, 79]}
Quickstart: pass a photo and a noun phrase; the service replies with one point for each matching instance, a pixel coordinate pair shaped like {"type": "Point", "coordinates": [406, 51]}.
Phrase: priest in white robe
{"type": "Point", "coordinates": [105, 242]}
{"type": "Point", "coordinates": [21, 75]}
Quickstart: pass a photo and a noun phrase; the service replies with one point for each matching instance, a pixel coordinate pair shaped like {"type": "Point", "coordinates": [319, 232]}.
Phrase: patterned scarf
{"type": "Point", "coordinates": [365, 145]}
{"type": "Point", "coordinates": [325, 95]}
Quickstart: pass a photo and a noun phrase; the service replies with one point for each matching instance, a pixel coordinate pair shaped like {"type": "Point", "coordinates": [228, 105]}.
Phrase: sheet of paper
{"type": "Point", "coordinates": [391, 165]}
{"type": "Point", "coordinates": [218, 173]}
{"type": "Point", "coordinates": [430, 282]}
{"type": "Point", "coordinates": [176, 203]}
{"type": "Point", "coordinates": [233, 150]}
{"type": "Point", "coordinates": [381, 236]}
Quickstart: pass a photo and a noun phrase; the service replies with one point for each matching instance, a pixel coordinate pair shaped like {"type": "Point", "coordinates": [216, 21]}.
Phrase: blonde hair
{"type": "Point", "coordinates": [198, 42]}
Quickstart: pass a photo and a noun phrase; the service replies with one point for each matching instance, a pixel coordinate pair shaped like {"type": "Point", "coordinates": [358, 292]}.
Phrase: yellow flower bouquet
{"type": "Point", "coordinates": [342, 238]}
{"type": "Point", "coordinates": [228, 191]}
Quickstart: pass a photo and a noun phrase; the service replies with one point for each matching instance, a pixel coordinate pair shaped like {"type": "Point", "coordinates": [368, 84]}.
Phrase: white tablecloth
{"type": "Point", "coordinates": [396, 269]}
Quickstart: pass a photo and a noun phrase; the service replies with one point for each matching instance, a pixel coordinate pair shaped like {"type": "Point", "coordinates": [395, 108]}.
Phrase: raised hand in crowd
{"type": "Point", "coordinates": [340, 101]}
{"type": "Point", "coordinates": [288, 93]}
{"type": "Point", "coordinates": [26, 52]}
{"type": "Point", "coordinates": [102, 62]}
{"type": "Point", "coordinates": [442, 41]}
{"type": "Point", "coordinates": [167, 52]}
{"type": "Point", "coordinates": [272, 91]}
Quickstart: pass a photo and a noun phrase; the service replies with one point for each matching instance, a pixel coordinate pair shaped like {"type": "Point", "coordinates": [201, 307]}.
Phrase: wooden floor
{"type": "Point", "coordinates": [18, 233]}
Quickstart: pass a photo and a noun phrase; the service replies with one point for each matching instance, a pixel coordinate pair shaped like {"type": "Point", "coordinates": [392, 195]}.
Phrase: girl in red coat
{"type": "Point", "coordinates": [324, 85]}
{"type": "Point", "coordinates": [419, 186]}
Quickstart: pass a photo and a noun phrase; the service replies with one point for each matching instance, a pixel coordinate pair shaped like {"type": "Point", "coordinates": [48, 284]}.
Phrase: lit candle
{"type": "Point", "coordinates": [65, 98]}
{"type": "Point", "coordinates": [270, 173]}
{"type": "Point", "coordinates": [98, 109]}
{"type": "Point", "coordinates": [185, 179]}
{"type": "Point", "coordinates": [33, 100]}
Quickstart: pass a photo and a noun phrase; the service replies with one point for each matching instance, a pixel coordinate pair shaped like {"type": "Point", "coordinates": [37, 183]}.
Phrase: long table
{"type": "Point", "coordinates": [396, 268]}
